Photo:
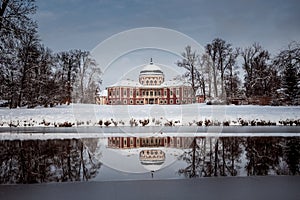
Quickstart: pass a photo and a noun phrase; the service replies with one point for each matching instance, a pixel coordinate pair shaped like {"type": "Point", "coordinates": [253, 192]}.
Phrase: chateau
{"type": "Point", "coordinates": [151, 88]}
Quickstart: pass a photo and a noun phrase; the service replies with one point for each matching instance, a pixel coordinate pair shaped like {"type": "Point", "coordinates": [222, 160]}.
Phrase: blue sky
{"type": "Point", "coordinates": [79, 24]}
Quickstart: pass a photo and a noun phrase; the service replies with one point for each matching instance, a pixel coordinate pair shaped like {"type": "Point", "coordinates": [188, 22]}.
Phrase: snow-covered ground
{"type": "Point", "coordinates": [158, 115]}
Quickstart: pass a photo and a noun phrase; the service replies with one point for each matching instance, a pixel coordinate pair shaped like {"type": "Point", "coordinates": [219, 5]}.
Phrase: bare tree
{"type": "Point", "coordinates": [261, 78]}
{"type": "Point", "coordinates": [68, 64]}
{"type": "Point", "coordinates": [189, 62]}
{"type": "Point", "coordinates": [14, 16]}
{"type": "Point", "coordinates": [15, 25]}
{"type": "Point", "coordinates": [211, 51]}
{"type": "Point", "coordinates": [223, 57]}
{"type": "Point", "coordinates": [88, 78]}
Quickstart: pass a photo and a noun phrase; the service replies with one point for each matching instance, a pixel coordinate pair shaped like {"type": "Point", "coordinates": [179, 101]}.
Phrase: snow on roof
{"type": "Point", "coordinates": [151, 67]}
{"type": "Point", "coordinates": [126, 83]}
{"type": "Point", "coordinates": [103, 93]}
{"type": "Point", "coordinates": [173, 83]}
{"type": "Point", "coordinates": [131, 83]}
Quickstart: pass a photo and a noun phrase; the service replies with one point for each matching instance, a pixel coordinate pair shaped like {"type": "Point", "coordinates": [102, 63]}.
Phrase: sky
{"type": "Point", "coordinates": [78, 24]}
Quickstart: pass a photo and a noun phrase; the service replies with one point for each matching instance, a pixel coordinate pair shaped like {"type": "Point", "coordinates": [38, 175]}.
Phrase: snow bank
{"type": "Point", "coordinates": [158, 115]}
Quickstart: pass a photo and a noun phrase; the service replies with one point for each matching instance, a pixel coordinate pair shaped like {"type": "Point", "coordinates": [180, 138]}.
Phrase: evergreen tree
{"type": "Point", "coordinates": [289, 64]}
{"type": "Point", "coordinates": [290, 84]}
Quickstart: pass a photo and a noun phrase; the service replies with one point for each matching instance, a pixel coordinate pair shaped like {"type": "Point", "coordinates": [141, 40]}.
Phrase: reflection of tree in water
{"type": "Point", "coordinates": [212, 157]}
{"type": "Point", "coordinates": [193, 159]}
{"type": "Point", "coordinates": [36, 161]}
{"type": "Point", "coordinates": [292, 155]}
{"type": "Point", "coordinates": [226, 156]}
{"type": "Point", "coordinates": [263, 154]}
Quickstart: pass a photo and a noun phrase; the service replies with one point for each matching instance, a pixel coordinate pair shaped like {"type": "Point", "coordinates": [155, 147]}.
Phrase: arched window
{"type": "Point", "coordinates": [155, 82]}
{"type": "Point", "coordinates": [147, 82]}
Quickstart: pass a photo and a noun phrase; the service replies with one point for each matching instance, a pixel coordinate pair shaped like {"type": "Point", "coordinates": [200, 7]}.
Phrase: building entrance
{"type": "Point", "coordinates": [151, 101]}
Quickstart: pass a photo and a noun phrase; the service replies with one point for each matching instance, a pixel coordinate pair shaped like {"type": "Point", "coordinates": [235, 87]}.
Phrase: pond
{"type": "Point", "coordinates": [145, 156]}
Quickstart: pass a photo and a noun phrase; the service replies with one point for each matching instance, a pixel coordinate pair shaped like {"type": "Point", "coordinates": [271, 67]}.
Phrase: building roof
{"type": "Point", "coordinates": [103, 93]}
{"type": "Point", "coordinates": [151, 69]}
{"type": "Point", "coordinates": [126, 83]}
{"type": "Point", "coordinates": [131, 83]}
{"type": "Point", "coordinates": [174, 83]}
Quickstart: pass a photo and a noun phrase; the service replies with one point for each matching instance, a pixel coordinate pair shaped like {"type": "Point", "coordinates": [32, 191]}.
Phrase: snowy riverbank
{"type": "Point", "coordinates": [150, 115]}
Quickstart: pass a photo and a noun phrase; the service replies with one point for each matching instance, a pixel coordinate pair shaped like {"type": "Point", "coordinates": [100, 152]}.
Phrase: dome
{"type": "Point", "coordinates": [151, 69]}
{"type": "Point", "coordinates": [152, 159]}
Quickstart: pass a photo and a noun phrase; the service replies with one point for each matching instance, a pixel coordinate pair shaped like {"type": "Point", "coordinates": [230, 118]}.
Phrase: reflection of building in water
{"type": "Point", "coordinates": [137, 142]}
{"type": "Point", "coordinates": [152, 159]}
{"type": "Point", "coordinates": [152, 156]}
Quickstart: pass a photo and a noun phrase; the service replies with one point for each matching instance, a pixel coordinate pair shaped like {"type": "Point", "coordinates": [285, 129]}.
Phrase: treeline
{"type": "Point", "coordinates": [41, 161]}
{"type": "Point", "coordinates": [30, 73]}
{"type": "Point", "coordinates": [235, 156]}
{"type": "Point", "coordinates": [226, 73]}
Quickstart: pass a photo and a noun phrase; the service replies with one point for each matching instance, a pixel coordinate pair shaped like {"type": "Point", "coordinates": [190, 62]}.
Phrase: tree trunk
{"type": "Point", "coordinates": [215, 80]}
{"type": "Point", "coordinates": [223, 157]}
{"type": "Point", "coordinates": [2, 10]}
{"type": "Point", "coordinates": [194, 158]}
{"type": "Point", "coordinates": [216, 158]}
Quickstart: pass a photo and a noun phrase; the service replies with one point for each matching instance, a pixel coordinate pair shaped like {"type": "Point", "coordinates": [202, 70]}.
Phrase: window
{"type": "Point", "coordinates": [151, 93]}
{"type": "Point", "coordinates": [137, 93]}
{"type": "Point", "coordinates": [165, 92]}
{"type": "Point", "coordinates": [131, 92]}
{"type": "Point", "coordinates": [131, 102]}
{"type": "Point", "coordinates": [161, 102]}
{"type": "Point", "coordinates": [155, 82]}
{"type": "Point", "coordinates": [171, 92]}
{"type": "Point", "coordinates": [117, 93]}
{"type": "Point", "coordinates": [142, 102]}
{"type": "Point", "coordinates": [151, 82]}
{"type": "Point", "coordinates": [177, 92]}
{"type": "Point", "coordinates": [177, 101]}
{"type": "Point", "coordinates": [137, 102]}
{"type": "Point", "coordinates": [165, 101]}
{"type": "Point", "coordinates": [125, 92]}
{"type": "Point", "coordinates": [171, 101]}
{"type": "Point", "coordinates": [125, 102]}
{"type": "Point", "coordinates": [147, 82]}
